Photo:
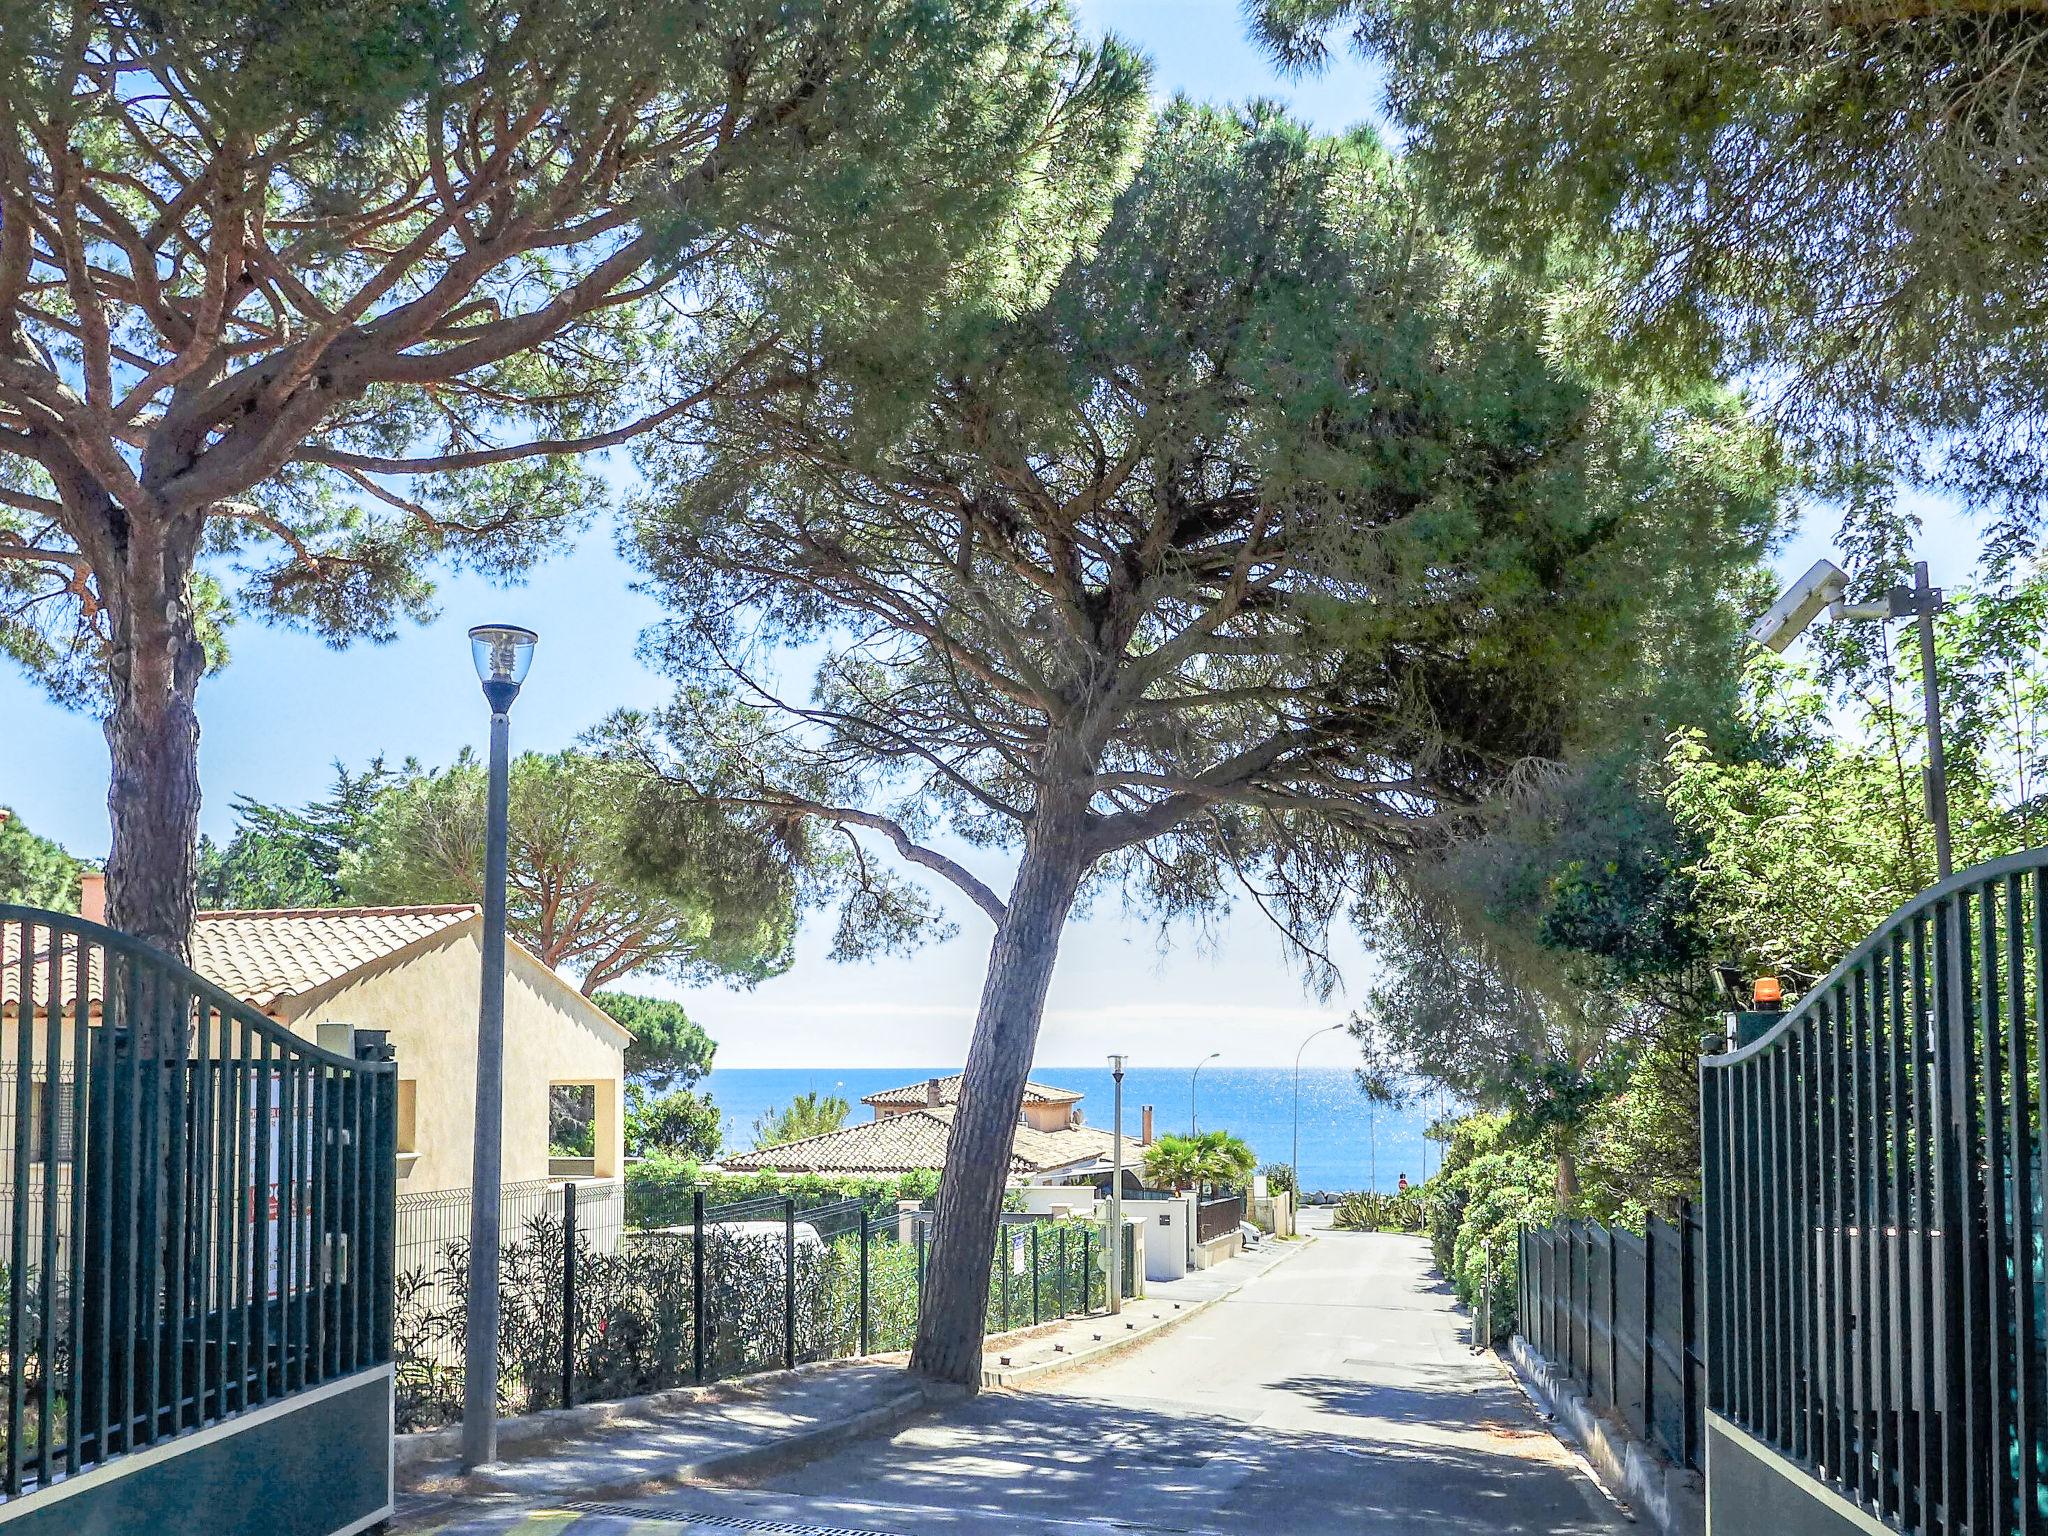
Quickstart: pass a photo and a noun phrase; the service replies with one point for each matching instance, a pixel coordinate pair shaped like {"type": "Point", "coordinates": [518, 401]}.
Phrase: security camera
{"type": "Point", "coordinates": [1823, 586]}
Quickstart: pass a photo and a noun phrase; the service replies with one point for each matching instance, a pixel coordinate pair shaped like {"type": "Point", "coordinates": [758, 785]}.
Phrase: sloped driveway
{"type": "Point", "coordinates": [1336, 1393]}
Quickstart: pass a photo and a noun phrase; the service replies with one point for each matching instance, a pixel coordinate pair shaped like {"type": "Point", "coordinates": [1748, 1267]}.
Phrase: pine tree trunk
{"type": "Point", "coordinates": [152, 729]}
{"type": "Point", "coordinates": [955, 1306]}
{"type": "Point", "coordinates": [1567, 1178]}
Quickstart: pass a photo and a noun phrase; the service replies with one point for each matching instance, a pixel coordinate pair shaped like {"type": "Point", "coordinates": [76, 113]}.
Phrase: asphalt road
{"type": "Point", "coordinates": [1334, 1394]}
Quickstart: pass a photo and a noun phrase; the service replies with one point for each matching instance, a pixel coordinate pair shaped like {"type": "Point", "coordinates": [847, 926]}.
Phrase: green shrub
{"type": "Point", "coordinates": [1280, 1179]}
{"type": "Point", "coordinates": [1365, 1210]}
{"type": "Point", "coordinates": [1489, 1188]}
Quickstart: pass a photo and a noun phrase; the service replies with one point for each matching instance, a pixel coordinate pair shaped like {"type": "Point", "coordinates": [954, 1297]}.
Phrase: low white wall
{"type": "Point", "coordinates": [1169, 1235]}
{"type": "Point", "coordinates": [1273, 1212]}
{"type": "Point", "coordinates": [1044, 1199]}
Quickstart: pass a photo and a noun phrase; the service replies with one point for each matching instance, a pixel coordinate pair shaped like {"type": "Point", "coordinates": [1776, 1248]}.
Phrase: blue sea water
{"type": "Point", "coordinates": [1346, 1142]}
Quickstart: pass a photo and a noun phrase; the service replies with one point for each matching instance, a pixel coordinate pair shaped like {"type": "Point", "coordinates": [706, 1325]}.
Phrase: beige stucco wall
{"type": "Point", "coordinates": [429, 1004]}
{"type": "Point", "coordinates": [1048, 1117]}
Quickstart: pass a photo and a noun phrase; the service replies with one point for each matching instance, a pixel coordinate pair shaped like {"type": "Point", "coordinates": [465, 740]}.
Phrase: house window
{"type": "Point", "coordinates": [572, 1120]}
{"type": "Point", "coordinates": [408, 1114]}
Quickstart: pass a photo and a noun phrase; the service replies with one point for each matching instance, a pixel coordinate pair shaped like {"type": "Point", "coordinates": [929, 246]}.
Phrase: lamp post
{"type": "Point", "coordinates": [1193, 1078]}
{"type": "Point", "coordinates": [1298, 1186]}
{"type": "Point", "coordinates": [502, 653]}
{"type": "Point", "coordinates": [1826, 586]}
{"type": "Point", "coordinates": [1116, 1192]}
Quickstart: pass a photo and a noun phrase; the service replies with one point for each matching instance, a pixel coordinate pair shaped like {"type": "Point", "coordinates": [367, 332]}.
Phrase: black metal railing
{"type": "Point", "coordinates": [1874, 1220]}
{"type": "Point", "coordinates": [1620, 1313]}
{"type": "Point", "coordinates": [592, 1311]}
{"type": "Point", "coordinates": [195, 1204]}
{"type": "Point", "coordinates": [1217, 1215]}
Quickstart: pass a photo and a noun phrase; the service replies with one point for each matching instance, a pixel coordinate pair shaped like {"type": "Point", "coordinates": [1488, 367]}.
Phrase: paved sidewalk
{"type": "Point", "coordinates": [742, 1432]}
{"type": "Point", "coordinates": [734, 1429]}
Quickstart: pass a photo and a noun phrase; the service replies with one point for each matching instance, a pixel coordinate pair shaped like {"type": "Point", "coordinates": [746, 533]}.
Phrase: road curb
{"type": "Point", "coordinates": [785, 1451]}
{"type": "Point", "coordinates": [529, 1433]}
{"type": "Point", "coordinates": [1666, 1497]}
{"type": "Point", "coordinates": [1018, 1375]}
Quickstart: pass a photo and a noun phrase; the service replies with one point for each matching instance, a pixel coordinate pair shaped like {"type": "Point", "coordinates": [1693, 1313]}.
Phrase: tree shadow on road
{"type": "Point", "coordinates": [1450, 1470]}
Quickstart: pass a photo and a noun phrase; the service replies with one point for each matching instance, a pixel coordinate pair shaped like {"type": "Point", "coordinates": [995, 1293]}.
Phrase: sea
{"type": "Point", "coordinates": [1347, 1142]}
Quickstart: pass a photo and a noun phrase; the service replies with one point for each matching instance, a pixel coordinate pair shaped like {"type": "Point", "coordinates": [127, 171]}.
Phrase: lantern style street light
{"type": "Point", "coordinates": [502, 653]}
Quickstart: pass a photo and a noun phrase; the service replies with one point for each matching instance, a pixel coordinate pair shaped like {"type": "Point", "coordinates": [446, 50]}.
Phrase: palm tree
{"type": "Point", "coordinates": [808, 1114]}
{"type": "Point", "coordinates": [1183, 1162]}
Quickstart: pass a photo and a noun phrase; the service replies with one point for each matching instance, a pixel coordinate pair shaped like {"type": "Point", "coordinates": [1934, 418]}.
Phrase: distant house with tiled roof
{"type": "Point", "coordinates": [415, 973]}
{"type": "Point", "coordinates": [1045, 1109]}
{"type": "Point", "coordinates": [913, 1124]}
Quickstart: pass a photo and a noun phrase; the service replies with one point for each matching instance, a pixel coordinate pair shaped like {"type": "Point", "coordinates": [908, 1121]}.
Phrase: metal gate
{"type": "Point", "coordinates": [196, 1216]}
{"type": "Point", "coordinates": [1875, 1307]}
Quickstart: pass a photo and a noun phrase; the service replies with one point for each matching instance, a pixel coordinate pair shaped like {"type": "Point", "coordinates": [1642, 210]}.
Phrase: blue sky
{"type": "Point", "coordinates": [288, 705]}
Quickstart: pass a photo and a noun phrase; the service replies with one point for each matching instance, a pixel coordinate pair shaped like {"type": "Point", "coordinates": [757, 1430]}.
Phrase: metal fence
{"type": "Point", "coordinates": [195, 1213]}
{"type": "Point", "coordinates": [592, 1310]}
{"type": "Point", "coordinates": [1620, 1313]}
{"type": "Point", "coordinates": [433, 1227]}
{"type": "Point", "coordinates": [1875, 1215]}
{"type": "Point", "coordinates": [1217, 1215]}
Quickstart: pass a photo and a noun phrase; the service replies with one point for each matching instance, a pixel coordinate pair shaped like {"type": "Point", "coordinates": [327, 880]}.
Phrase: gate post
{"type": "Point", "coordinates": [697, 1288]}
{"type": "Point", "coordinates": [569, 1294]}
{"type": "Point", "coordinates": [1650, 1327]}
{"type": "Point", "coordinates": [863, 1280]}
{"type": "Point", "coordinates": [788, 1283]}
{"type": "Point", "coordinates": [1688, 1330]}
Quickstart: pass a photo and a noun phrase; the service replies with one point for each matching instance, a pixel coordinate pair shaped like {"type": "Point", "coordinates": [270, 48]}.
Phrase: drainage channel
{"type": "Point", "coordinates": [648, 1521]}
{"type": "Point", "coordinates": [665, 1520]}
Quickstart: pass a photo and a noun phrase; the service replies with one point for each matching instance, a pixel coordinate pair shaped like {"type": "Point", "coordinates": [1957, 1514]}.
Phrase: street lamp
{"type": "Point", "coordinates": [1193, 1078]}
{"type": "Point", "coordinates": [502, 653]}
{"type": "Point", "coordinates": [1826, 585]}
{"type": "Point", "coordinates": [1298, 1186]}
{"type": "Point", "coordinates": [1116, 1193]}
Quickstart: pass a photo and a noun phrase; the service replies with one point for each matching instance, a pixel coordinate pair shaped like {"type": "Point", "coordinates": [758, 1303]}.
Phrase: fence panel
{"type": "Point", "coordinates": [1628, 1329]}
{"type": "Point", "coordinates": [613, 1311]}
{"type": "Point", "coordinates": [191, 1198]}
{"type": "Point", "coordinates": [1874, 1185]}
{"type": "Point", "coordinates": [1666, 1385]}
{"type": "Point", "coordinates": [1218, 1216]}
{"type": "Point", "coordinates": [1619, 1313]}
{"type": "Point", "coordinates": [1599, 1282]}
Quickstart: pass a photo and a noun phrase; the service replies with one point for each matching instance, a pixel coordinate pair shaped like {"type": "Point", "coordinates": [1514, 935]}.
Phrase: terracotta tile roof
{"type": "Point", "coordinates": [949, 1093]}
{"type": "Point", "coordinates": [916, 1142]}
{"type": "Point", "coordinates": [260, 957]}
{"type": "Point", "coordinates": [39, 972]}
{"type": "Point", "coordinates": [264, 957]}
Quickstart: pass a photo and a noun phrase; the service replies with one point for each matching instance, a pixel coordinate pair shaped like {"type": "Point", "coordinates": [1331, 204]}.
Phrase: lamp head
{"type": "Point", "coordinates": [502, 653]}
{"type": "Point", "coordinates": [1823, 585]}
{"type": "Point", "coordinates": [1116, 1064]}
